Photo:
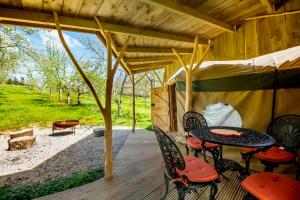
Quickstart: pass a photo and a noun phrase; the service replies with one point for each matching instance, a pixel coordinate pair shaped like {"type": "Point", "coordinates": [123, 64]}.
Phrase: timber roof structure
{"type": "Point", "coordinates": [156, 26]}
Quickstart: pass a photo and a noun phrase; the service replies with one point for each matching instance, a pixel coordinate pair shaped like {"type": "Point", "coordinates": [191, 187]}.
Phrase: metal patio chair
{"type": "Point", "coordinates": [187, 173]}
{"type": "Point", "coordinates": [192, 120]}
{"type": "Point", "coordinates": [286, 130]}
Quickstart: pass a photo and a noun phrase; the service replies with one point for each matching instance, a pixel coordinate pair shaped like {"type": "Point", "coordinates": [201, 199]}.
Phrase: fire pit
{"type": "Point", "coordinates": [64, 125]}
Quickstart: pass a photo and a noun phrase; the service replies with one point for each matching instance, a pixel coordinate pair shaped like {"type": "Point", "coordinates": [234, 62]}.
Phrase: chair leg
{"type": "Point", "coordinates": [204, 154]}
{"type": "Point", "coordinates": [249, 196]}
{"type": "Point", "coordinates": [167, 186]}
{"type": "Point", "coordinates": [221, 152]}
{"type": "Point", "coordinates": [269, 167]}
{"type": "Point", "coordinates": [213, 191]}
{"type": "Point", "coordinates": [298, 171]}
{"type": "Point", "coordinates": [187, 149]}
{"type": "Point", "coordinates": [181, 192]}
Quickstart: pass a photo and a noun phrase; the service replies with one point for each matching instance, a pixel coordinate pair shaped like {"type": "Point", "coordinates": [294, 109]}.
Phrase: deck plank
{"type": "Point", "coordinates": [138, 175]}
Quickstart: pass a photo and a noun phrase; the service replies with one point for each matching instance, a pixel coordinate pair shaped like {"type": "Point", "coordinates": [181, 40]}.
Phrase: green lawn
{"type": "Point", "coordinates": [36, 190]}
{"type": "Point", "coordinates": [21, 107]}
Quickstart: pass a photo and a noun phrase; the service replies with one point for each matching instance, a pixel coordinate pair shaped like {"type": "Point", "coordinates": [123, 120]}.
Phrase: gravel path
{"type": "Point", "coordinates": [56, 156]}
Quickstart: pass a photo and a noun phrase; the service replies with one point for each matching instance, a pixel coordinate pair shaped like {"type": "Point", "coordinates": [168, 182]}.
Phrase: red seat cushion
{"type": "Point", "coordinates": [197, 170]}
{"type": "Point", "coordinates": [196, 143]}
{"type": "Point", "coordinates": [272, 186]}
{"type": "Point", "coordinates": [247, 149]}
{"type": "Point", "coordinates": [276, 155]}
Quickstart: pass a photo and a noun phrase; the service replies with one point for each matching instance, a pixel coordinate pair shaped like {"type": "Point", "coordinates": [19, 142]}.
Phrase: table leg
{"type": "Point", "coordinates": [248, 155]}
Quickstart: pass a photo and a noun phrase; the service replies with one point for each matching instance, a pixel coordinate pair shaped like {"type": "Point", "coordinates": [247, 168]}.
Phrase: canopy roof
{"type": "Point", "coordinates": [157, 25]}
{"type": "Point", "coordinates": [286, 59]}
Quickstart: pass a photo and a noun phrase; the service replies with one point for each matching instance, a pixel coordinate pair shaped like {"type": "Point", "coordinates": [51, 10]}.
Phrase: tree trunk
{"type": "Point", "coordinates": [50, 94]}
{"type": "Point", "coordinates": [120, 98]}
{"type": "Point", "coordinates": [78, 97]}
{"type": "Point", "coordinates": [133, 105]}
{"type": "Point", "coordinates": [60, 95]}
{"type": "Point", "coordinates": [68, 99]}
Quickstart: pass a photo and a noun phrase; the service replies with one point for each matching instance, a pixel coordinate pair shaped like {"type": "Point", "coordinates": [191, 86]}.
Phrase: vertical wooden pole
{"type": "Point", "coordinates": [133, 104]}
{"type": "Point", "coordinates": [108, 156]}
{"type": "Point", "coordinates": [188, 90]}
{"type": "Point", "coordinates": [109, 83]}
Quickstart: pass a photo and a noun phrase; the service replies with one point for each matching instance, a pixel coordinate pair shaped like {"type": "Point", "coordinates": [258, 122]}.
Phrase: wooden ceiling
{"type": "Point", "coordinates": [156, 25]}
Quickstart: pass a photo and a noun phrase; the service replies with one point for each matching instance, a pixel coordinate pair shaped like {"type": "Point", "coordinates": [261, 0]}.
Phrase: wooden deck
{"type": "Point", "coordinates": [138, 175]}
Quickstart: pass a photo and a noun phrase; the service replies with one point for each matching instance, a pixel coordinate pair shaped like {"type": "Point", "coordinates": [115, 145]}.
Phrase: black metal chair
{"type": "Point", "coordinates": [187, 173]}
{"type": "Point", "coordinates": [192, 120]}
{"type": "Point", "coordinates": [286, 130]}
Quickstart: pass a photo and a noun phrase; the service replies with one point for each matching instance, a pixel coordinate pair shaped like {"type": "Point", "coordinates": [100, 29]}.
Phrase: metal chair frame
{"type": "Point", "coordinates": [286, 130]}
{"type": "Point", "coordinates": [192, 120]}
{"type": "Point", "coordinates": [173, 160]}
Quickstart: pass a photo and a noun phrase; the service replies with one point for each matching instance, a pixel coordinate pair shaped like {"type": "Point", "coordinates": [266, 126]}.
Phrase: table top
{"type": "Point", "coordinates": [248, 138]}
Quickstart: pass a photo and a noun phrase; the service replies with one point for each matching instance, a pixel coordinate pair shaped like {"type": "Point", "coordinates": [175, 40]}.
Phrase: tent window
{"type": "Point", "coordinates": [221, 114]}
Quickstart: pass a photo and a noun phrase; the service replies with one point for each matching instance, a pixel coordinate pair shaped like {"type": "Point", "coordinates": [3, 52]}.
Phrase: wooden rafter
{"type": "Point", "coordinates": [150, 59]}
{"type": "Point", "coordinates": [150, 65]}
{"type": "Point", "coordinates": [268, 5]}
{"type": "Point", "coordinates": [44, 20]}
{"type": "Point", "coordinates": [177, 8]}
{"type": "Point", "coordinates": [157, 50]}
{"type": "Point", "coordinates": [146, 70]}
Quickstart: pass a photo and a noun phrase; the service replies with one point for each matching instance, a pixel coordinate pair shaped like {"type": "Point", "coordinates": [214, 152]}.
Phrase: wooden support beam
{"type": "Point", "coordinates": [180, 60]}
{"type": "Point", "coordinates": [158, 50]}
{"type": "Point", "coordinates": [150, 65]}
{"type": "Point", "coordinates": [136, 82]}
{"type": "Point", "coordinates": [159, 79]}
{"type": "Point", "coordinates": [177, 8]}
{"type": "Point", "coordinates": [145, 70]}
{"type": "Point", "coordinates": [133, 104]}
{"type": "Point", "coordinates": [268, 5]}
{"type": "Point", "coordinates": [274, 15]}
{"type": "Point", "coordinates": [115, 53]}
{"type": "Point", "coordinates": [43, 20]}
{"type": "Point", "coordinates": [150, 59]}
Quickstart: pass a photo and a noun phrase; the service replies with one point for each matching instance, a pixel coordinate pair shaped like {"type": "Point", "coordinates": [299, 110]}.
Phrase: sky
{"type": "Point", "coordinates": [40, 38]}
{"type": "Point", "coordinates": [73, 39]}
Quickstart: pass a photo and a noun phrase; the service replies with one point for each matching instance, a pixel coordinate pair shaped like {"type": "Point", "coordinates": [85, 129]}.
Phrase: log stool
{"type": "Point", "coordinates": [21, 140]}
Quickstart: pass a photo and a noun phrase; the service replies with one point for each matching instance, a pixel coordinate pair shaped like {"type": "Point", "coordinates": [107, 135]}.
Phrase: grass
{"type": "Point", "coordinates": [41, 189]}
{"type": "Point", "coordinates": [22, 106]}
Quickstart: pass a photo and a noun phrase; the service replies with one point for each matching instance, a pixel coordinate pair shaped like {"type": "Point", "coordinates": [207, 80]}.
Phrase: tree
{"type": "Point", "coordinates": [13, 45]}
{"type": "Point", "coordinates": [50, 70]}
{"type": "Point", "coordinates": [118, 89]}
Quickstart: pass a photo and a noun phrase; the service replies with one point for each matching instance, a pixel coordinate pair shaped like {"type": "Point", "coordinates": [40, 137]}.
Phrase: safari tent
{"type": "Point", "coordinates": [258, 89]}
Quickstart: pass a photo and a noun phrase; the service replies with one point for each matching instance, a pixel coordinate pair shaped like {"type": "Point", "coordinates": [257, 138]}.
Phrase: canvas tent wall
{"type": "Point", "coordinates": [249, 89]}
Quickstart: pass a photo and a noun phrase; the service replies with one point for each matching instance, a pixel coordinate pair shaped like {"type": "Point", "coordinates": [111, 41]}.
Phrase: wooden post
{"type": "Point", "coordinates": [189, 72]}
{"type": "Point", "coordinates": [106, 112]}
{"type": "Point", "coordinates": [133, 104]}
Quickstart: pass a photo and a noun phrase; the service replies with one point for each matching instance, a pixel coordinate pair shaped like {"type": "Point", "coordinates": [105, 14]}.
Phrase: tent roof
{"type": "Point", "coordinates": [155, 24]}
{"type": "Point", "coordinates": [289, 58]}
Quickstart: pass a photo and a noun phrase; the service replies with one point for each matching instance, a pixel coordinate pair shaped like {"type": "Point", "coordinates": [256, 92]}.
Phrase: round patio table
{"type": "Point", "coordinates": [244, 137]}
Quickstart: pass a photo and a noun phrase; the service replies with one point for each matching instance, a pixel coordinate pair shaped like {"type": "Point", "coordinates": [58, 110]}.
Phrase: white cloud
{"type": "Point", "coordinates": [53, 36]}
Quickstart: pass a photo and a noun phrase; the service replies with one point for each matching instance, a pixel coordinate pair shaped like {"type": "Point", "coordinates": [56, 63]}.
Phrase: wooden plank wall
{"type": "Point", "coordinates": [255, 38]}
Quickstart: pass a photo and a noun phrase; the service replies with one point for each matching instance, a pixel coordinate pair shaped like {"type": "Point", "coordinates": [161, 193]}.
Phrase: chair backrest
{"type": "Point", "coordinates": [172, 156]}
{"type": "Point", "coordinates": [192, 120]}
{"type": "Point", "coordinates": [286, 130]}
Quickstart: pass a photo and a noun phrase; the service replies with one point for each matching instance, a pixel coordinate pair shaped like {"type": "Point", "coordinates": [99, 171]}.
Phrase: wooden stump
{"type": "Point", "coordinates": [22, 133]}
{"type": "Point", "coordinates": [21, 143]}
